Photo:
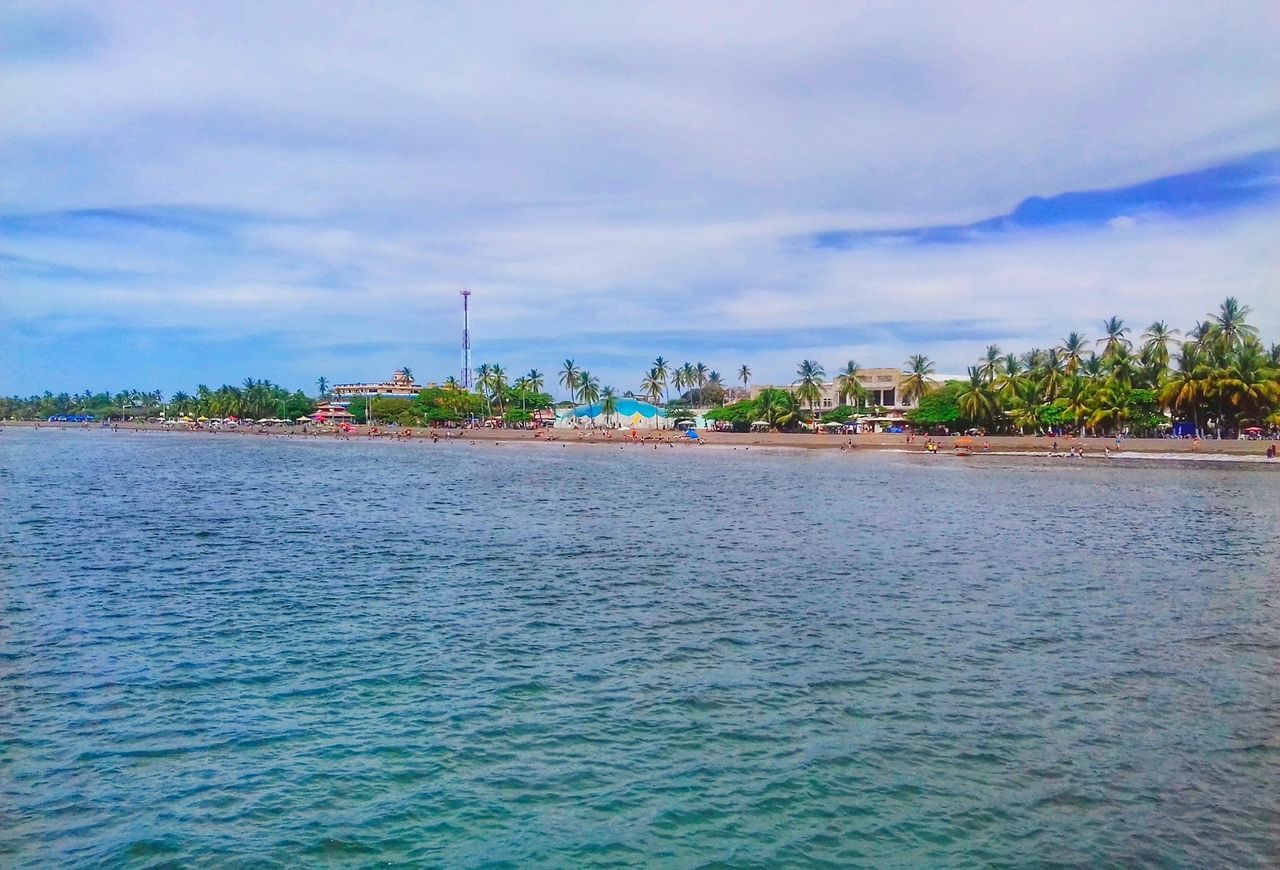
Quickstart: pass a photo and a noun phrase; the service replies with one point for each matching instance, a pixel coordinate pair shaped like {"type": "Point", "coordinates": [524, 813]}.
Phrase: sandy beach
{"type": "Point", "coordinates": [1168, 448]}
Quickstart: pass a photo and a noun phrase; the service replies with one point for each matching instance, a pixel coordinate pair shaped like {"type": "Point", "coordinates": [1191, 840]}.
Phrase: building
{"type": "Point", "coordinates": [401, 386]}
{"type": "Point", "coordinates": [332, 412]}
{"type": "Point", "coordinates": [883, 389]}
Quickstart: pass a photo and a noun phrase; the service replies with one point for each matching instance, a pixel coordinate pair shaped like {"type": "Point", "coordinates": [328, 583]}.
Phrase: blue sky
{"type": "Point", "coordinates": [200, 192]}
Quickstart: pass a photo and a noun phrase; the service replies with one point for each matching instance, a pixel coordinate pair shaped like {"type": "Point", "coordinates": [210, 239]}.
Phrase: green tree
{"type": "Point", "coordinates": [608, 404]}
{"type": "Point", "coordinates": [1073, 349]}
{"type": "Point", "coordinates": [847, 384]}
{"type": "Point", "coordinates": [940, 407]}
{"type": "Point", "coordinates": [779, 408]}
{"type": "Point", "coordinates": [569, 379]}
{"type": "Point", "coordinates": [1158, 337]}
{"type": "Point", "coordinates": [917, 383]}
{"type": "Point", "coordinates": [588, 388]}
{"type": "Point", "coordinates": [809, 382]}
{"type": "Point", "coordinates": [1114, 336]}
{"type": "Point", "coordinates": [653, 385]}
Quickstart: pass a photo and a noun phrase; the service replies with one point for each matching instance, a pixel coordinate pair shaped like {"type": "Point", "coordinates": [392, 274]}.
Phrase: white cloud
{"type": "Point", "coordinates": [613, 170]}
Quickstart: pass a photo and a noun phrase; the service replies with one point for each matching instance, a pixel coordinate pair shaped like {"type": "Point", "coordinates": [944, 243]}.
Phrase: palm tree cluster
{"type": "Point", "coordinates": [1218, 374]}
{"type": "Point", "coordinates": [253, 399]}
{"type": "Point", "coordinates": [695, 383]}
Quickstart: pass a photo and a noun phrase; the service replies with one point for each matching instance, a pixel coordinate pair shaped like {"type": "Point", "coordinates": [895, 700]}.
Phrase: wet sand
{"type": "Point", "coordinates": [995, 445]}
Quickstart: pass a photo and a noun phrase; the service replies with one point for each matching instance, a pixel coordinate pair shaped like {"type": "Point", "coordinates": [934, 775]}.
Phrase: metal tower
{"type": "Point", "coordinates": [466, 340]}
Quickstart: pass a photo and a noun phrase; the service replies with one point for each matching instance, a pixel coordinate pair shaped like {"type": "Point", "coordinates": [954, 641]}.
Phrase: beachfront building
{"type": "Point", "coordinates": [332, 412]}
{"type": "Point", "coordinates": [401, 386]}
{"type": "Point", "coordinates": [630, 414]}
{"type": "Point", "coordinates": [883, 389]}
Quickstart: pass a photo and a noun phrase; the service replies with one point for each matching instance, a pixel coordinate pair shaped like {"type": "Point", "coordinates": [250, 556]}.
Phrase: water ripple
{"type": "Point", "coordinates": [233, 650]}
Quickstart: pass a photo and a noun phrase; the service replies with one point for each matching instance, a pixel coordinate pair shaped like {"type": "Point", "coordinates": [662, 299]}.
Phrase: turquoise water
{"type": "Point", "coordinates": [227, 649]}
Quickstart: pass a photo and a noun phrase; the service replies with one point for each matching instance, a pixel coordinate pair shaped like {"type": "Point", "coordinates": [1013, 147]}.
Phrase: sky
{"type": "Point", "coordinates": [200, 192]}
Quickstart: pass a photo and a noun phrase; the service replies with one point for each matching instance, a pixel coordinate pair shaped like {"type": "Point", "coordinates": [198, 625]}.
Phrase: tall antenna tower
{"type": "Point", "coordinates": [466, 340]}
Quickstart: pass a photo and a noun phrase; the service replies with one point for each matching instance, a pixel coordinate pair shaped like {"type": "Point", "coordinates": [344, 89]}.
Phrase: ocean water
{"type": "Point", "coordinates": [232, 650]}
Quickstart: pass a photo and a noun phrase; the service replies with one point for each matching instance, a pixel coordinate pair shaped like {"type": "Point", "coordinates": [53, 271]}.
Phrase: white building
{"type": "Point", "coordinates": [401, 386]}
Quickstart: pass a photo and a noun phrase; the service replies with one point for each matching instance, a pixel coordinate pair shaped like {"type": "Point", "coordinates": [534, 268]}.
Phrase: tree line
{"type": "Point", "coordinates": [1217, 376]}
{"type": "Point", "coordinates": [253, 399]}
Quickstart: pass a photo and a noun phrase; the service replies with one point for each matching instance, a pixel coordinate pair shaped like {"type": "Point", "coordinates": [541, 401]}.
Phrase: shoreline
{"type": "Point", "coordinates": [1004, 446]}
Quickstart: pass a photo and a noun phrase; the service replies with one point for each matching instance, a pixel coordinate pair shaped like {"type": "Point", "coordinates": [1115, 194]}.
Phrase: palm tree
{"type": "Point", "coordinates": [1248, 385]}
{"type": "Point", "coordinates": [661, 371]}
{"type": "Point", "coordinates": [1010, 375]}
{"type": "Point", "coordinates": [991, 363]}
{"type": "Point", "coordinates": [1115, 336]}
{"type": "Point", "coordinates": [847, 384]}
{"type": "Point", "coordinates": [569, 379]}
{"type": "Point", "coordinates": [482, 383]}
{"type": "Point", "coordinates": [1112, 405]}
{"type": "Point", "coordinates": [588, 388]}
{"type": "Point", "coordinates": [534, 381]}
{"type": "Point", "coordinates": [917, 382]}
{"type": "Point", "coordinates": [778, 408]}
{"type": "Point", "coordinates": [1073, 348]}
{"type": "Point", "coordinates": [1157, 338]}
{"type": "Point", "coordinates": [1024, 404]}
{"type": "Point", "coordinates": [653, 385]}
{"type": "Point", "coordinates": [809, 382]}
{"type": "Point", "coordinates": [498, 385]}
{"type": "Point", "coordinates": [686, 377]}
{"type": "Point", "coordinates": [1229, 324]}
{"type": "Point", "coordinates": [407, 372]}
{"type": "Point", "coordinates": [677, 381]}
{"type": "Point", "coordinates": [1052, 373]}
{"type": "Point", "coordinates": [322, 384]}
{"type": "Point", "coordinates": [744, 375]}
{"type": "Point", "coordinates": [452, 383]}
{"type": "Point", "coordinates": [1121, 365]}
{"type": "Point", "coordinates": [1077, 399]}
{"type": "Point", "coordinates": [976, 402]}
{"type": "Point", "coordinates": [714, 379]}
{"type": "Point", "coordinates": [608, 404]}
{"type": "Point", "coordinates": [700, 372]}
{"type": "Point", "coordinates": [1033, 359]}
{"type": "Point", "coordinates": [1093, 367]}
